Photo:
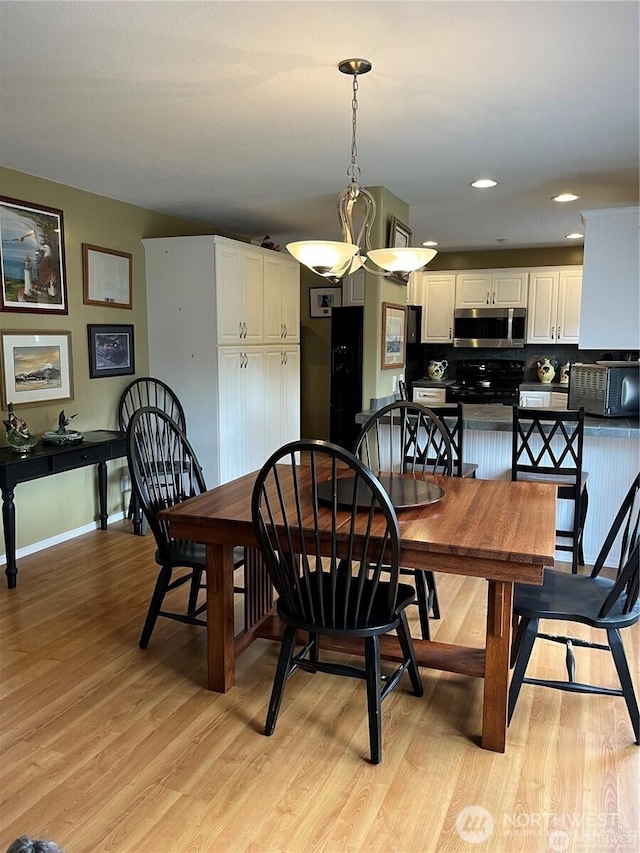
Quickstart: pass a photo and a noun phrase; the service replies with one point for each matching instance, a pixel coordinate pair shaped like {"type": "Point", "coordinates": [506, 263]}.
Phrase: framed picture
{"type": "Point", "coordinates": [394, 336]}
{"type": "Point", "coordinates": [32, 258]}
{"type": "Point", "coordinates": [36, 367]}
{"type": "Point", "coordinates": [399, 234]}
{"type": "Point", "coordinates": [111, 351]}
{"type": "Point", "coordinates": [106, 277]}
{"type": "Point", "coordinates": [323, 299]}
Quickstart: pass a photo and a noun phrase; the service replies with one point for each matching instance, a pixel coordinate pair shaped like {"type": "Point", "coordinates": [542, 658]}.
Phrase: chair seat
{"type": "Point", "coordinates": [194, 554]}
{"type": "Point", "coordinates": [576, 598]}
{"type": "Point", "coordinates": [379, 620]}
{"type": "Point", "coordinates": [554, 479]}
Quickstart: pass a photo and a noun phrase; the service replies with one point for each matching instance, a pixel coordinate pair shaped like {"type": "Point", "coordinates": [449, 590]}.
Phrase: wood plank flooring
{"type": "Point", "coordinates": [105, 747]}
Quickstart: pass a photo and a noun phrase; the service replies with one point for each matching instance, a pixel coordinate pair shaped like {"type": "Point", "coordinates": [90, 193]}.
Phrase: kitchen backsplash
{"type": "Point", "coordinates": [422, 354]}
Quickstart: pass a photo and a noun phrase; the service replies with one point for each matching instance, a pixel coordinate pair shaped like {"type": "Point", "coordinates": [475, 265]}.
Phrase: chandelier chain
{"type": "Point", "coordinates": [354, 170]}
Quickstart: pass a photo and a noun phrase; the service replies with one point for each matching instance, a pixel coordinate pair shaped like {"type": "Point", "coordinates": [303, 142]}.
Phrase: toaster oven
{"type": "Point", "coordinates": [607, 389]}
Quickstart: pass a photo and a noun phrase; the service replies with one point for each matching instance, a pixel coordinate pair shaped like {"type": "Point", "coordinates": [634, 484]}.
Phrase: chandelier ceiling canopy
{"type": "Point", "coordinates": [334, 260]}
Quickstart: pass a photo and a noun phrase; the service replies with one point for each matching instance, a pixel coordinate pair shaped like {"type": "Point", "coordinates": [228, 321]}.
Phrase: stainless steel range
{"type": "Point", "coordinates": [486, 381]}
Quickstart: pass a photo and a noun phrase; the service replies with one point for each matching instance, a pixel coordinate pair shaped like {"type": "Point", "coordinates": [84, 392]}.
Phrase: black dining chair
{"type": "Point", "coordinates": [547, 447]}
{"type": "Point", "coordinates": [451, 417]}
{"type": "Point", "coordinates": [142, 392]}
{"type": "Point", "coordinates": [610, 604]}
{"type": "Point", "coordinates": [165, 471]}
{"type": "Point", "coordinates": [408, 438]}
{"type": "Point", "coordinates": [332, 554]}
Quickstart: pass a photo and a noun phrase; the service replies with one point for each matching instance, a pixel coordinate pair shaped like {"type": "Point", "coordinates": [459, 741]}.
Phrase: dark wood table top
{"type": "Point", "coordinates": [495, 529]}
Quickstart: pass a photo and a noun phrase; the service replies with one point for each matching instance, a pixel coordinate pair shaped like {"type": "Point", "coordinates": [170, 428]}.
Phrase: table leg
{"type": "Point", "coordinates": [102, 494]}
{"type": "Point", "coordinates": [496, 667]}
{"type": "Point", "coordinates": [9, 526]}
{"type": "Point", "coordinates": [221, 653]}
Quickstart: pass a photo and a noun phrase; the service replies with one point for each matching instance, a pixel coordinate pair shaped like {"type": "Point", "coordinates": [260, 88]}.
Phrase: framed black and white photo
{"type": "Point", "coordinates": [394, 336]}
{"type": "Point", "coordinates": [36, 367]}
{"type": "Point", "coordinates": [106, 277]}
{"type": "Point", "coordinates": [111, 351]}
{"type": "Point", "coordinates": [323, 299]}
{"type": "Point", "coordinates": [32, 258]}
{"type": "Point", "coordinates": [399, 234]}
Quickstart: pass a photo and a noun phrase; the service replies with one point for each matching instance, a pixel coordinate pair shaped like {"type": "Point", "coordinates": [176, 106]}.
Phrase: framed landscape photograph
{"type": "Point", "coordinates": [323, 299]}
{"type": "Point", "coordinates": [36, 367]}
{"type": "Point", "coordinates": [111, 351]}
{"type": "Point", "coordinates": [32, 258]}
{"type": "Point", "coordinates": [394, 336]}
{"type": "Point", "coordinates": [106, 277]}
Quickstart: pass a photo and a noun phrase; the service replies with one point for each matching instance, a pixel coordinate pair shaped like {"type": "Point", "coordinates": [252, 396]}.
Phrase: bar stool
{"type": "Point", "coordinates": [547, 447]}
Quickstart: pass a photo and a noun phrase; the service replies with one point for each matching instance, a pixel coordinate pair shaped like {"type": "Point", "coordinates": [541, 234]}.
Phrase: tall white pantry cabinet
{"type": "Point", "coordinates": [224, 333]}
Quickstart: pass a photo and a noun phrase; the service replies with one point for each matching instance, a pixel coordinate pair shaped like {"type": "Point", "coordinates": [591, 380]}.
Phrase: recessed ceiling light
{"type": "Point", "coordinates": [574, 236]}
{"type": "Point", "coordinates": [565, 197]}
{"type": "Point", "coordinates": [484, 183]}
{"type": "Point", "coordinates": [430, 243]}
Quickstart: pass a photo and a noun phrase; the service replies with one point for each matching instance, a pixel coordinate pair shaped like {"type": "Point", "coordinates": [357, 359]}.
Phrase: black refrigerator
{"type": "Point", "coordinates": [346, 375]}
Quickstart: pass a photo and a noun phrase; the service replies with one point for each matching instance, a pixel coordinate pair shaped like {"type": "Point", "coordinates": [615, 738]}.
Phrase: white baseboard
{"type": "Point", "coordinates": [61, 537]}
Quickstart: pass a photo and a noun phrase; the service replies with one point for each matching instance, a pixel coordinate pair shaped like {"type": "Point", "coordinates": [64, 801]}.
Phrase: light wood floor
{"type": "Point", "coordinates": [105, 747]}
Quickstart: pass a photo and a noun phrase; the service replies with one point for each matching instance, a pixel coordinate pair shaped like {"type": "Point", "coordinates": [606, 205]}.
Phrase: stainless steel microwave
{"type": "Point", "coordinates": [489, 327]}
{"type": "Point", "coordinates": [607, 389]}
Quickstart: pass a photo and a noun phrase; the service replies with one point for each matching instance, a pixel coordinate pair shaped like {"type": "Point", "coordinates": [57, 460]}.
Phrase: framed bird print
{"type": "Point", "coordinates": [32, 258]}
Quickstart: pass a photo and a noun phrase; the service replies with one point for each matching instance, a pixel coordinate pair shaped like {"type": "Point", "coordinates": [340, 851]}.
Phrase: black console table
{"type": "Point", "coordinates": [97, 448]}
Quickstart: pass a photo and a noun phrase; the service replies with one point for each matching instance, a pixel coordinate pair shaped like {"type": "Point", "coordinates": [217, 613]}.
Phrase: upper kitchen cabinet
{"type": "Point", "coordinates": [415, 288]}
{"type": "Point", "coordinates": [492, 289]}
{"type": "Point", "coordinates": [610, 292]}
{"type": "Point", "coordinates": [239, 292]}
{"type": "Point", "coordinates": [438, 300]}
{"type": "Point", "coordinates": [281, 299]}
{"type": "Point", "coordinates": [554, 306]}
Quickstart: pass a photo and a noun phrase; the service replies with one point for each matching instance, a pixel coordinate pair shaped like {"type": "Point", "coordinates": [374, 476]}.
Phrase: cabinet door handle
{"type": "Point", "coordinates": [493, 299]}
{"type": "Point", "coordinates": [449, 332]}
{"type": "Point", "coordinates": [286, 331]}
{"type": "Point", "coordinates": [487, 297]}
{"type": "Point", "coordinates": [552, 331]}
{"type": "Point", "coordinates": [246, 330]}
{"type": "Point", "coordinates": [239, 329]}
{"type": "Point", "coordinates": [286, 358]}
{"type": "Point", "coordinates": [558, 332]}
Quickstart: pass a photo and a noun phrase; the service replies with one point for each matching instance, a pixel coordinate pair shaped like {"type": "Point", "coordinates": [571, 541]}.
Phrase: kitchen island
{"type": "Point", "coordinates": [611, 456]}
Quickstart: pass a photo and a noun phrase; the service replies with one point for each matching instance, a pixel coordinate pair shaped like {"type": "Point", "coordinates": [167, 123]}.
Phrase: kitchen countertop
{"type": "Point", "coordinates": [544, 386]}
{"type": "Point", "coordinates": [432, 383]}
{"type": "Point", "coordinates": [499, 418]}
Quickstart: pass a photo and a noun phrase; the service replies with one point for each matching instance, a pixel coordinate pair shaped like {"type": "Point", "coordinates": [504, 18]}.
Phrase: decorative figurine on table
{"type": "Point", "coordinates": [18, 433]}
{"type": "Point", "coordinates": [62, 435]}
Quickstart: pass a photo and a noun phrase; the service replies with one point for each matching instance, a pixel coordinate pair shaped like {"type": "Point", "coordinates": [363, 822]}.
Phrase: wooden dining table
{"type": "Point", "coordinates": [498, 530]}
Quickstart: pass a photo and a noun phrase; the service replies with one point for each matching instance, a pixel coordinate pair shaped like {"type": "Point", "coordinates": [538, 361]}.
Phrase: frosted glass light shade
{"type": "Point", "coordinates": [401, 260]}
{"type": "Point", "coordinates": [324, 257]}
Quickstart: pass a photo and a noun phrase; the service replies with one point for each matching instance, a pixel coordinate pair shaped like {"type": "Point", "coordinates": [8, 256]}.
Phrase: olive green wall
{"type": "Point", "coordinates": [51, 506]}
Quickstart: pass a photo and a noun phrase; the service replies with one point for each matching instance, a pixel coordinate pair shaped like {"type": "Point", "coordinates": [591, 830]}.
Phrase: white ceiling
{"type": "Point", "coordinates": [234, 113]}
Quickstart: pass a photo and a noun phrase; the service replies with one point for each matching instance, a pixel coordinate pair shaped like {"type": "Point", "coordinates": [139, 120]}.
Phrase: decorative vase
{"type": "Point", "coordinates": [564, 374]}
{"type": "Point", "coordinates": [546, 371]}
{"type": "Point", "coordinates": [436, 369]}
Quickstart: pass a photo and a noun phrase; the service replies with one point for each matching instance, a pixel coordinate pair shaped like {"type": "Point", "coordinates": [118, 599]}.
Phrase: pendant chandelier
{"type": "Point", "coordinates": [334, 260]}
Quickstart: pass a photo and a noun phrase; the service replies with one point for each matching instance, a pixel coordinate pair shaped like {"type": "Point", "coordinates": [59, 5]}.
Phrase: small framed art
{"type": "Point", "coordinates": [36, 367]}
{"type": "Point", "coordinates": [106, 277]}
{"type": "Point", "coordinates": [394, 336]}
{"type": "Point", "coordinates": [323, 299]}
{"type": "Point", "coordinates": [111, 350]}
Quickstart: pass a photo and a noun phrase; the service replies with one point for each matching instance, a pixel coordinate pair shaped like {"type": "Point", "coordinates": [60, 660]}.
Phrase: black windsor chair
{"type": "Point", "coordinates": [408, 438]}
{"type": "Point", "coordinates": [330, 581]}
{"type": "Point", "coordinates": [142, 392]}
{"type": "Point", "coordinates": [547, 447]}
{"type": "Point", "coordinates": [165, 471]}
{"type": "Point", "coordinates": [601, 602]}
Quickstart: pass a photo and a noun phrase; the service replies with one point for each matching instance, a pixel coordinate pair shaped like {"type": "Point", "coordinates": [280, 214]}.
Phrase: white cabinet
{"type": "Point", "coordinates": [281, 299]}
{"type": "Point", "coordinates": [554, 306]}
{"type": "Point", "coordinates": [438, 299]}
{"type": "Point", "coordinates": [430, 396]}
{"type": "Point", "coordinates": [544, 399]}
{"type": "Point", "coordinates": [535, 399]}
{"type": "Point", "coordinates": [353, 289]}
{"type": "Point", "coordinates": [415, 288]}
{"type": "Point", "coordinates": [492, 289]}
{"type": "Point", "coordinates": [213, 304]}
{"type": "Point", "coordinates": [239, 292]}
{"type": "Point", "coordinates": [282, 396]}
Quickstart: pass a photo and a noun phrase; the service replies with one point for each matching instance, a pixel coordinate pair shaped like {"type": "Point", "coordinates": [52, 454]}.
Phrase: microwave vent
{"type": "Point", "coordinates": [591, 383]}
